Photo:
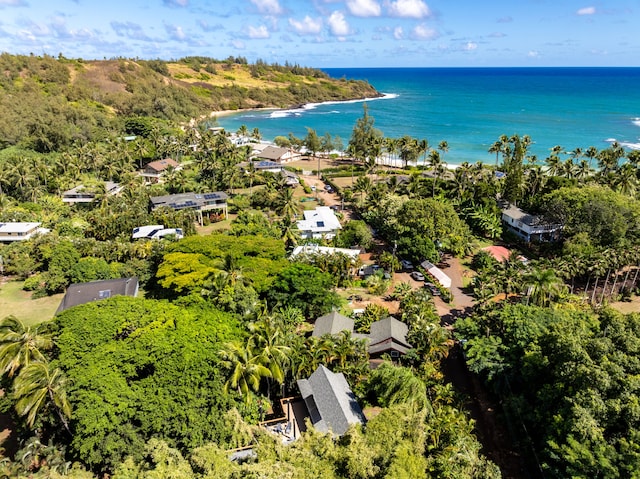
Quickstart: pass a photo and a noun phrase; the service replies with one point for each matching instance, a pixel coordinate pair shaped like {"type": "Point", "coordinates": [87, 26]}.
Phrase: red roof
{"type": "Point", "coordinates": [498, 252]}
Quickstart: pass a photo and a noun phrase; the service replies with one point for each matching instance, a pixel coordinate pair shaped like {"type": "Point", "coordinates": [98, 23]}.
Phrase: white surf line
{"type": "Point", "coordinates": [313, 106]}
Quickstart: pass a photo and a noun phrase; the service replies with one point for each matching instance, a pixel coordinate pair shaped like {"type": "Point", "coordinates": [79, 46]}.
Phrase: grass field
{"type": "Point", "coordinates": [14, 301]}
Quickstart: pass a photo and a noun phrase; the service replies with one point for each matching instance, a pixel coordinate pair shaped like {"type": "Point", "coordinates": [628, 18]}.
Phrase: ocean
{"type": "Point", "coordinates": [471, 107]}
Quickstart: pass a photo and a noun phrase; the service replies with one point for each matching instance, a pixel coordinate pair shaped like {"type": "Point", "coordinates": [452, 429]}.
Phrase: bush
{"type": "Point", "coordinates": [33, 283]}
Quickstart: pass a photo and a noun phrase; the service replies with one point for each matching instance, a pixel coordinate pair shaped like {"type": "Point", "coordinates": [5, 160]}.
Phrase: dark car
{"type": "Point", "coordinates": [433, 288]}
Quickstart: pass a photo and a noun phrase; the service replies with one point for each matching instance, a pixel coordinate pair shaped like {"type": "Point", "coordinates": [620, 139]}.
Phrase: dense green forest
{"type": "Point", "coordinates": [165, 385]}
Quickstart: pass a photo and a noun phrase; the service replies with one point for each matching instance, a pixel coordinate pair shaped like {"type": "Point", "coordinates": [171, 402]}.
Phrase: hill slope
{"type": "Point", "coordinates": [48, 103]}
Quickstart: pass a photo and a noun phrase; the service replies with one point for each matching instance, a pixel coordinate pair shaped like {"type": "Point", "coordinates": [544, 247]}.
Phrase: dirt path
{"type": "Point", "coordinates": [490, 428]}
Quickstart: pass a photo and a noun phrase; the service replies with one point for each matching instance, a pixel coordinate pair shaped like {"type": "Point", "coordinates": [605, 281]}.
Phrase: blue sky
{"type": "Point", "coordinates": [332, 33]}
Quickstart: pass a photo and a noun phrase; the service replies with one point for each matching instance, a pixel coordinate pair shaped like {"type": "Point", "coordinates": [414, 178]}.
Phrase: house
{"type": "Point", "coordinates": [388, 336]}
{"type": "Point", "coordinates": [332, 323]}
{"type": "Point", "coordinates": [153, 171]}
{"type": "Point", "coordinates": [529, 227]}
{"type": "Point", "coordinates": [14, 231]}
{"type": "Point", "coordinates": [82, 293]}
{"type": "Point", "coordinates": [278, 154]}
{"type": "Point", "coordinates": [290, 178]}
{"type": "Point", "coordinates": [320, 223]}
{"type": "Point", "coordinates": [312, 249]}
{"type": "Point", "coordinates": [156, 232]}
{"type": "Point", "coordinates": [331, 404]}
{"type": "Point", "coordinates": [87, 194]}
{"type": "Point", "coordinates": [200, 202]}
{"type": "Point", "coordinates": [262, 166]}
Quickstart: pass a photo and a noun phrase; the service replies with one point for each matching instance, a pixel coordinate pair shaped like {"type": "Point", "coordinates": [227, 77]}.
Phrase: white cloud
{"type": "Point", "coordinates": [175, 3]}
{"type": "Point", "coordinates": [364, 8]}
{"type": "Point", "coordinates": [130, 30]}
{"type": "Point", "coordinates": [62, 32]}
{"type": "Point", "coordinates": [398, 33]}
{"type": "Point", "coordinates": [239, 44]}
{"type": "Point", "coordinates": [422, 32]}
{"type": "Point", "coordinates": [210, 28]}
{"type": "Point", "coordinates": [586, 11]}
{"type": "Point", "coordinates": [533, 54]}
{"type": "Point", "coordinates": [308, 26]}
{"type": "Point", "coordinates": [497, 35]}
{"type": "Point", "coordinates": [258, 32]}
{"type": "Point", "coordinates": [13, 3]}
{"type": "Point", "coordinates": [175, 32]}
{"type": "Point", "coordinates": [268, 7]}
{"type": "Point", "coordinates": [505, 20]}
{"type": "Point", "coordinates": [33, 29]}
{"type": "Point", "coordinates": [409, 8]}
{"type": "Point", "coordinates": [338, 25]}
{"type": "Point", "coordinates": [470, 46]}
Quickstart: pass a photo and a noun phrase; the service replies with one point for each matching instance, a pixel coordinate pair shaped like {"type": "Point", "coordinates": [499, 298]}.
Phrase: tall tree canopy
{"type": "Point", "coordinates": [140, 369]}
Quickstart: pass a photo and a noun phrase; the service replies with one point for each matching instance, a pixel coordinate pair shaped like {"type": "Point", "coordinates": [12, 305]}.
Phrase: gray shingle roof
{"type": "Point", "coordinates": [332, 323]}
{"type": "Point", "coordinates": [331, 403]}
{"type": "Point", "coordinates": [81, 293]}
{"type": "Point", "coordinates": [388, 334]}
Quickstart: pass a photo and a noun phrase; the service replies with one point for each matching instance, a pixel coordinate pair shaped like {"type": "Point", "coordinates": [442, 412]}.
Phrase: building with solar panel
{"type": "Point", "coordinates": [201, 203]}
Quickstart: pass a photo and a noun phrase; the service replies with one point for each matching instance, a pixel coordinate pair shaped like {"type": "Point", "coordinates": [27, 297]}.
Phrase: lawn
{"type": "Point", "coordinates": [14, 301]}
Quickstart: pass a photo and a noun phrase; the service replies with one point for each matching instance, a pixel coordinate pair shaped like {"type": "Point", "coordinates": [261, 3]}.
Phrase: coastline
{"type": "Point", "coordinates": [302, 106]}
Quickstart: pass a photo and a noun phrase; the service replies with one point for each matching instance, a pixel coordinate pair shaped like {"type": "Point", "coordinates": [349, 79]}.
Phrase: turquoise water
{"type": "Point", "coordinates": [471, 107]}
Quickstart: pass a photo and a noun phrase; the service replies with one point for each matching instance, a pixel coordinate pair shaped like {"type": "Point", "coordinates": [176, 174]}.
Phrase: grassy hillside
{"type": "Point", "coordinates": [48, 103]}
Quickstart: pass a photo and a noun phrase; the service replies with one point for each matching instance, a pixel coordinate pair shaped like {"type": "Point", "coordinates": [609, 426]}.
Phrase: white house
{"type": "Point", "coordinates": [313, 250]}
{"type": "Point", "coordinates": [156, 232]}
{"type": "Point", "coordinates": [529, 227]}
{"type": "Point", "coordinates": [320, 223]}
{"type": "Point", "coordinates": [10, 232]}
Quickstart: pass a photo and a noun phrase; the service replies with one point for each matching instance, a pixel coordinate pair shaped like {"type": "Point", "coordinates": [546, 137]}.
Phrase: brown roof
{"type": "Point", "coordinates": [161, 165]}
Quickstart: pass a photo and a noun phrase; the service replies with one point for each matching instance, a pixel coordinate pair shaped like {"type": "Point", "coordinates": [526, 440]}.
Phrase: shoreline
{"type": "Point", "coordinates": [301, 106]}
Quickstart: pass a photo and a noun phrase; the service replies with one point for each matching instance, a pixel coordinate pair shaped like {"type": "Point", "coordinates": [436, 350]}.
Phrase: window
{"type": "Point", "coordinates": [106, 293]}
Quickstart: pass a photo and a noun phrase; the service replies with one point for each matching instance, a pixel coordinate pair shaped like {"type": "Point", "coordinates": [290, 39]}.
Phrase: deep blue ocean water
{"type": "Point", "coordinates": [471, 107]}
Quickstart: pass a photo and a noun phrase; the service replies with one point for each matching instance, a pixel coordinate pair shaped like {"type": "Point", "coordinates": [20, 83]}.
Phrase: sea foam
{"type": "Point", "coordinates": [313, 106]}
{"type": "Point", "coordinates": [635, 121]}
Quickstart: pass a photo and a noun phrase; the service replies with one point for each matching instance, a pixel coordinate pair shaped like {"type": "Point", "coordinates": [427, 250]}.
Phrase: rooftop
{"type": "Point", "coordinates": [82, 293]}
{"type": "Point", "coordinates": [331, 403]}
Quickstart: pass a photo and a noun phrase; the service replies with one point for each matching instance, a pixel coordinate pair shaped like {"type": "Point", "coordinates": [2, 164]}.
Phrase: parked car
{"type": "Point", "coordinates": [417, 275]}
{"type": "Point", "coordinates": [433, 288]}
{"type": "Point", "coordinates": [406, 265]}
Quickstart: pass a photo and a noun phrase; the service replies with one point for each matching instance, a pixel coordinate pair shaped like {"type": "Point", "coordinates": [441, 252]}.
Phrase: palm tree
{"type": "Point", "coordinates": [289, 231]}
{"type": "Point", "coordinates": [583, 170]}
{"type": "Point", "coordinates": [543, 285]}
{"type": "Point", "coordinates": [20, 345]}
{"type": "Point", "coordinates": [554, 165]}
{"type": "Point", "coordinates": [409, 149]}
{"type": "Point", "coordinates": [38, 385]}
{"type": "Point", "coordinates": [435, 163]}
{"type": "Point", "coordinates": [243, 131]}
{"type": "Point", "coordinates": [247, 369]}
{"type": "Point", "coordinates": [287, 204]}
{"type": "Point", "coordinates": [268, 341]}
{"type": "Point", "coordinates": [496, 148]}
{"type": "Point", "coordinates": [363, 185]}
{"type": "Point", "coordinates": [626, 180]}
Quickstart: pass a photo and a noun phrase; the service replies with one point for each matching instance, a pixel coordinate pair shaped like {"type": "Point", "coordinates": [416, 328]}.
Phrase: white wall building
{"type": "Point", "coordinates": [529, 227]}
{"type": "Point", "coordinates": [320, 223]}
{"type": "Point", "coordinates": [10, 232]}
